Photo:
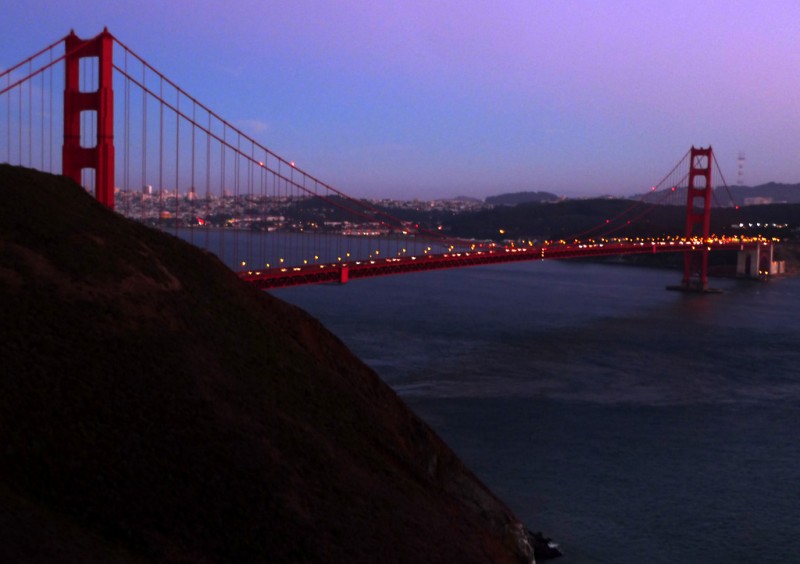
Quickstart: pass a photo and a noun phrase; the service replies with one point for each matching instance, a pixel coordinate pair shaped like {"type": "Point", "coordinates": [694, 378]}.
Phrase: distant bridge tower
{"type": "Point", "coordinates": [99, 152]}
{"type": "Point", "coordinates": [698, 219]}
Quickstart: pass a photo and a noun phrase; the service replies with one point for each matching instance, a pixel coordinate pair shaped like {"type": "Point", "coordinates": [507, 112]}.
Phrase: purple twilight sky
{"type": "Point", "coordinates": [439, 98]}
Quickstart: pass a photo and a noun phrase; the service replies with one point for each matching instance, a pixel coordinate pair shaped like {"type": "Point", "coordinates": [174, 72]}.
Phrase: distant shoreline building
{"type": "Point", "coordinates": [758, 201]}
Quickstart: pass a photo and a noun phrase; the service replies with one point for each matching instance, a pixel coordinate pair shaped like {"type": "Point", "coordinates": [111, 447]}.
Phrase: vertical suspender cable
{"type": "Point", "coordinates": [160, 150]}
{"type": "Point", "coordinates": [192, 191]}
{"type": "Point", "coordinates": [8, 120]}
{"type": "Point", "coordinates": [208, 179]}
{"type": "Point", "coordinates": [280, 245]}
{"type": "Point", "coordinates": [278, 222]}
{"type": "Point", "coordinates": [144, 142]}
{"type": "Point", "coordinates": [127, 126]}
{"type": "Point", "coordinates": [296, 208]}
{"type": "Point", "coordinates": [236, 216]}
{"type": "Point", "coordinates": [41, 125]}
{"type": "Point", "coordinates": [30, 115]}
{"type": "Point", "coordinates": [222, 193]}
{"type": "Point", "coordinates": [51, 113]}
{"type": "Point", "coordinates": [19, 119]}
{"type": "Point", "coordinates": [177, 159]}
{"type": "Point", "coordinates": [251, 219]}
{"type": "Point", "coordinates": [262, 258]}
{"type": "Point", "coordinates": [305, 221]}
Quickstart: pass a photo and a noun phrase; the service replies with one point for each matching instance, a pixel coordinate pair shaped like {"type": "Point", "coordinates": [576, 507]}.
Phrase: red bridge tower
{"type": "Point", "coordinates": [100, 155]}
{"type": "Point", "coordinates": [698, 219]}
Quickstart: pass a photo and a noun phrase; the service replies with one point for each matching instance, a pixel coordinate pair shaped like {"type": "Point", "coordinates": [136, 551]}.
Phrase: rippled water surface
{"type": "Point", "coordinates": [630, 423]}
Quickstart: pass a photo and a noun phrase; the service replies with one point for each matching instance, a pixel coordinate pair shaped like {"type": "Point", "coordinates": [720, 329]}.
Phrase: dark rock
{"type": "Point", "coordinates": [155, 408]}
{"type": "Point", "coordinates": [543, 547]}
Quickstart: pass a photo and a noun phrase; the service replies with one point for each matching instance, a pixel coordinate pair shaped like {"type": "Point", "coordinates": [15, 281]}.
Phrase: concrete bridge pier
{"type": "Point", "coordinates": [753, 263]}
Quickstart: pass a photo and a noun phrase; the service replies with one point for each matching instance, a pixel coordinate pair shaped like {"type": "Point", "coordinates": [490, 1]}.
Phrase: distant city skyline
{"type": "Point", "coordinates": [435, 100]}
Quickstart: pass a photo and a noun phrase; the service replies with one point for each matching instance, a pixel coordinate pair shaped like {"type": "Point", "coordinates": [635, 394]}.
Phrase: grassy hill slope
{"type": "Point", "coordinates": [153, 407]}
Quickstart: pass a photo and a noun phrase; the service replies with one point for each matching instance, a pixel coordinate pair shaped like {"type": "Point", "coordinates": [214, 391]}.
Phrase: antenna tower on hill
{"type": "Point", "coordinates": [740, 172]}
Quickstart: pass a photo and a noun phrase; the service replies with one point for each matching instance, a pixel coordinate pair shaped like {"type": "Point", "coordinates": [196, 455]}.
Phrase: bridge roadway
{"type": "Point", "coordinates": [341, 272]}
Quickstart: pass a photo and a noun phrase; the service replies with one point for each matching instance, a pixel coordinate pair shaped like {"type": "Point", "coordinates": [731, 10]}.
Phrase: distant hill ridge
{"type": "Point", "coordinates": [512, 199]}
{"type": "Point", "coordinates": [154, 408]}
{"type": "Point", "coordinates": [769, 193]}
{"type": "Point", "coordinates": [775, 192]}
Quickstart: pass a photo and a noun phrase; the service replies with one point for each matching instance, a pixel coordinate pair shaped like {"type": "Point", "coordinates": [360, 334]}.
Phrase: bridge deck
{"type": "Point", "coordinates": [344, 271]}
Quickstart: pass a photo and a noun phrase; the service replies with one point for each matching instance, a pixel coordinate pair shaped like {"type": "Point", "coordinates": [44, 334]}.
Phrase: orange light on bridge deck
{"type": "Point", "coordinates": [244, 263]}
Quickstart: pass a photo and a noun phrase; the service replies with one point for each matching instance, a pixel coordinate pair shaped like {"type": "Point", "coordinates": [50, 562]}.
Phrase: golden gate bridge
{"type": "Point", "coordinates": [98, 113]}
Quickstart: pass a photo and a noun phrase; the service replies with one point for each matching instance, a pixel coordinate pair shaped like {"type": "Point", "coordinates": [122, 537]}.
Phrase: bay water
{"type": "Point", "coordinates": [630, 423]}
